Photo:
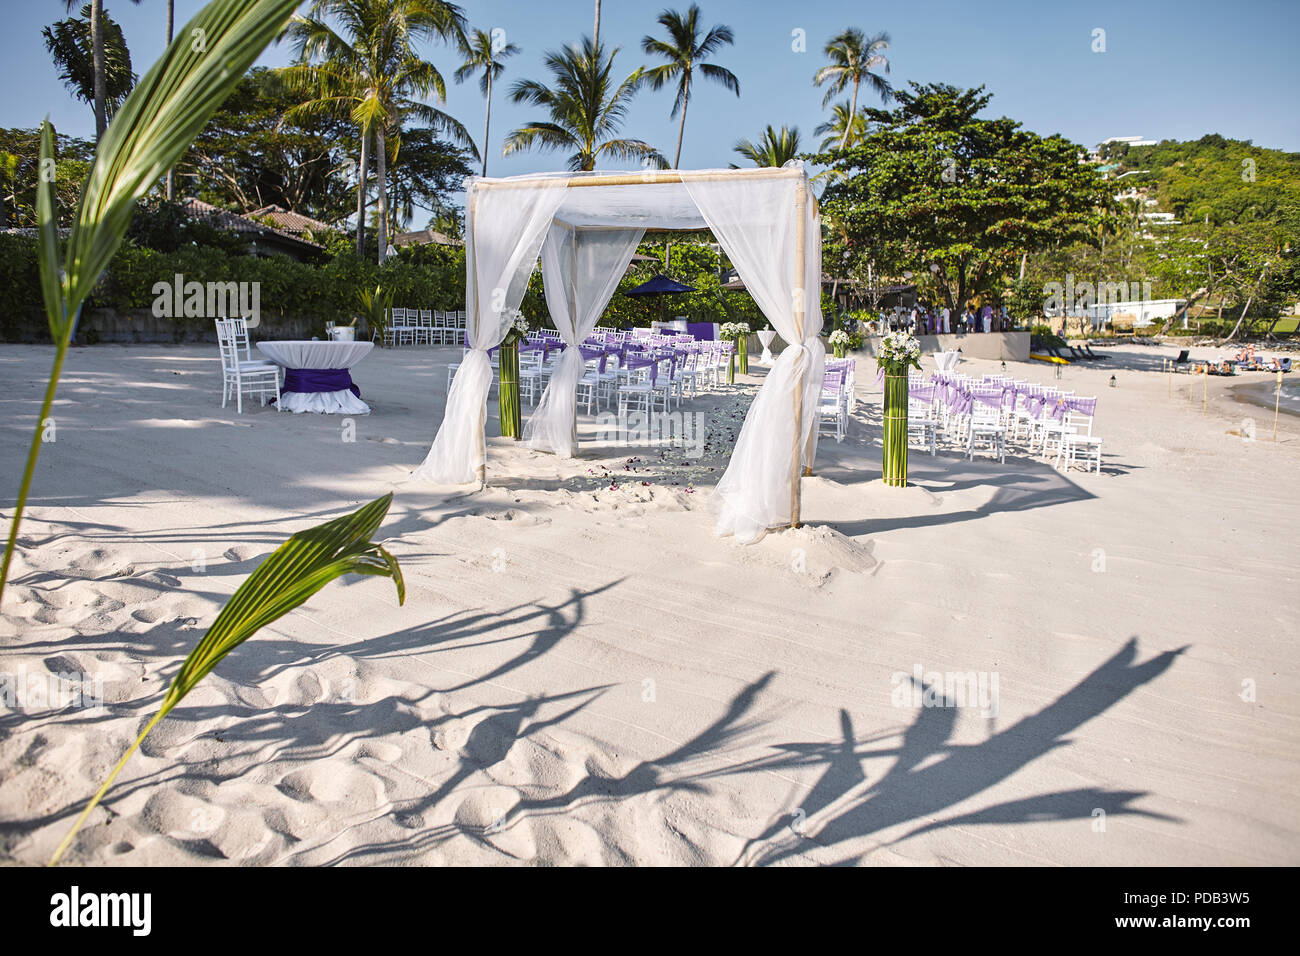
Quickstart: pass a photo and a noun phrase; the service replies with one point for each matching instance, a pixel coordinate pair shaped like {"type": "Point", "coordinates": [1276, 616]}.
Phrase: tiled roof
{"type": "Point", "coordinates": [290, 221]}
{"type": "Point", "coordinates": [234, 222]}
{"type": "Point", "coordinates": [424, 237]}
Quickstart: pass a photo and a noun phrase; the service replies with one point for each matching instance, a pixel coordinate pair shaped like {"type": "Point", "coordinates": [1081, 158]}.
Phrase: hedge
{"type": "Point", "coordinates": [419, 277]}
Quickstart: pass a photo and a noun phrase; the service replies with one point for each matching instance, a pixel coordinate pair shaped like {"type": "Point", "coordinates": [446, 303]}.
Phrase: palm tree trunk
{"type": "Point", "coordinates": [487, 122]}
{"type": "Point", "coordinates": [97, 61]}
{"type": "Point", "coordinates": [381, 167]}
{"type": "Point", "coordinates": [171, 17]}
{"type": "Point", "coordinates": [848, 123]}
{"type": "Point", "coordinates": [361, 192]}
{"type": "Point", "coordinates": [595, 31]}
{"type": "Point", "coordinates": [681, 127]}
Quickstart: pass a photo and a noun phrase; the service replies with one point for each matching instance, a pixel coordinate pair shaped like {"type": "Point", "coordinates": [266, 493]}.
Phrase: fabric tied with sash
{"type": "Point", "coordinates": [319, 380]}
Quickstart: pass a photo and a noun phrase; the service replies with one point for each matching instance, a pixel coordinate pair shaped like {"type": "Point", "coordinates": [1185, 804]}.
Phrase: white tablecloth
{"type": "Point", "coordinates": [766, 336]}
{"type": "Point", "coordinates": [946, 361]}
{"type": "Point", "coordinates": [320, 355]}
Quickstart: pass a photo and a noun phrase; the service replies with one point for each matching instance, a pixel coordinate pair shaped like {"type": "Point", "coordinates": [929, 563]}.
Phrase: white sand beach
{"type": "Point", "coordinates": [583, 673]}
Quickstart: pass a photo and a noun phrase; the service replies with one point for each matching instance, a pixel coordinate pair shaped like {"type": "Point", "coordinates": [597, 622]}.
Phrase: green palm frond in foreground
{"type": "Point", "coordinates": [295, 571]}
{"type": "Point", "coordinates": [148, 134]}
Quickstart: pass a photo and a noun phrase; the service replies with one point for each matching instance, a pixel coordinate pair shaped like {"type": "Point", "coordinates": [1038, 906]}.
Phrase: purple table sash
{"type": "Point", "coordinates": [319, 380]}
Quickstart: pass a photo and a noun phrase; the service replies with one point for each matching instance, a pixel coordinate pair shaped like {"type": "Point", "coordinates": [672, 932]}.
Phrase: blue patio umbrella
{"type": "Point", "coordinates": [660, 285]}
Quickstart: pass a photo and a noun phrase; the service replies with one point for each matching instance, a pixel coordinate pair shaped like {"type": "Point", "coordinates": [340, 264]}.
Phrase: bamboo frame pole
{"type": "Point", "coordinates": [800, 314]}
{"type": "Point", "coordinates": [1205, 388]}
{"type": "Point", "coordinates": [649, 177]}
{"type": "Point", "coordinates": [573, 322]}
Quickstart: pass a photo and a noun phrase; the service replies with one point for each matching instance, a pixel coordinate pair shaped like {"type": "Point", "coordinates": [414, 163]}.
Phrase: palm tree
{"type": "Point", "coordinates": [586, 109]}
{"type": "Point", "coordinates": [93, 59]}
{"type": "Point", "coordinates": [483, 55]}
{"type": "Point", "coordinates": [369, 72]}
{"type": "Point", "coordinates": [841, 129]}
{"type": "Point", "coordinates": [854, 58]}
{"type": "Point", "coordinates": [773, 148]}
{"type": "Point", "coordinates": [685, 50]}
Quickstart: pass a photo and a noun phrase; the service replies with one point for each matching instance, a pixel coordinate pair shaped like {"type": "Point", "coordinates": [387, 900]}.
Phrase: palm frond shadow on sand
{"type": "Point", "coordinates": [928, 777]}
{"type": "Point", "coordinates": [844, 804]}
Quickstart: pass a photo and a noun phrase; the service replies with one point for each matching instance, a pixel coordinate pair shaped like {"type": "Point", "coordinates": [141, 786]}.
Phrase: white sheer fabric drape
{"type": "Point", "coordinates": [581, 269]}
{"type": "Point", "coordinates": [504, 230]}
{"type": "Point", "coordinates": [755, 221]}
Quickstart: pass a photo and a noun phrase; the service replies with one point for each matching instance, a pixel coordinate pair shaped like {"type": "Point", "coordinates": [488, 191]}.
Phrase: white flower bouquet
{"type": "Point", "coordinates": [839, 337]}
{"type": "Point", "coordinates": [899, 351]}
{"type": "Point", "coordinates": [733, 331]}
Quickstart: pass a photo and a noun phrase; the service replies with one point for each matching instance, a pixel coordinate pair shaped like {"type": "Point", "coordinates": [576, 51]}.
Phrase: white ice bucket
{"type": "Point", "coordinates": [343, 333]}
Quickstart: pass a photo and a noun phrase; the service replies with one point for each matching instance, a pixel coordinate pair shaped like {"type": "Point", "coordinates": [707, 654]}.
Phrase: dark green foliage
{"type": "Point", "coordinates": [936, 185]}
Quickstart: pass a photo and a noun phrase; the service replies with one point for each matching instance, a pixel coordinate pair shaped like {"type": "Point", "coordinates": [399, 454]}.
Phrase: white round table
{"type": "Point", "coordinates": [766, 336]}
{"type": "Point", "coordinates": [316, 376]}
{"type": "Point", "coordinates": [946, 361]}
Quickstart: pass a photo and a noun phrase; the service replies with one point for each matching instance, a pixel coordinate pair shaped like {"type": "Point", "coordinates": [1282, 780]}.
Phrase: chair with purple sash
{"type": "Point", "coordinates": [921, 399]}
{"type": "Point", "coordinates": [1076, 416]}
{"type": "Point", "coordinates": [985, 422]}
{"type": "Point", "coordinates": [833, 408]}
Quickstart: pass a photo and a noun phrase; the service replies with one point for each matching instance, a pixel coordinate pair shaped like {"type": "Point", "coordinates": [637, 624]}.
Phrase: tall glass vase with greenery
{"type": "Point", "coordinates": [511, 418]}
{"type": "Point", "coordinates": [899, 352]}
{"type": "Point", "coordinates": [737, 332]}
{"type": "Point", "coordinates": [839, 340]}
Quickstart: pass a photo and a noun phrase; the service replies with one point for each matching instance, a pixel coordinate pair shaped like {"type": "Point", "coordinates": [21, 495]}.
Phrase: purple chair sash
{"type": "Point", "coordinates": [635, 362]}
{"type": "Point", "coordinates": [594, 353]}
{"type": "Point", "coordinates": [1084, 406]}
{"type": "Point", "coordinates": [319, 380]}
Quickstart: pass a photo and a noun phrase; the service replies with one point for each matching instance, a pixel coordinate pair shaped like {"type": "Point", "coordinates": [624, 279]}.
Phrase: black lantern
{"type": "Point", "coordinates": [1112, 381]}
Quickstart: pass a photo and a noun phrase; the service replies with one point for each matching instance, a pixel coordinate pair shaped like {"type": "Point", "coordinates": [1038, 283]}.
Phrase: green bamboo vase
{"type": "Point", "coordinates": [893, 464]}
{"type": "Point", "coordinates": [511, 421]}
{"type": "Point", "coordinates": [742, 353]}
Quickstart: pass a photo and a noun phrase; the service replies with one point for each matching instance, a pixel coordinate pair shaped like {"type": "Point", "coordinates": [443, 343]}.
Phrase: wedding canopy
{"type": "Point", "coordinates": [586, 228]}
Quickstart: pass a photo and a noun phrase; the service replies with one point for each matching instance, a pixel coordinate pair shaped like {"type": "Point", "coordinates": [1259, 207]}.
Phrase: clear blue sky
{"type": "Point", "coordinates": [1172, 68]}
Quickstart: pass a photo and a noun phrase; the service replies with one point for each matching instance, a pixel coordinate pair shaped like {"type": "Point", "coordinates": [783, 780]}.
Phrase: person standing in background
{"type": "Point", "coordinates": [947, 314]}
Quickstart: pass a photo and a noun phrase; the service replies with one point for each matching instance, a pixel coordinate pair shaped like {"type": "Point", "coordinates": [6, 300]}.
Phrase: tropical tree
{"type": "Point", "coordinates": [485, 53]}
{"type": "Point", "coordinates": [855, 59]}
{"type": "Point", "coordinates": [586, 109]}
{"type": "Point", "coordinates": [938, 189]}
{"type": "Point", "coordinates": [369, 71]}
{"type": "Point", "coordinates": [842, 129]}
{"type": "Point", "coordinates": [685, 50]}
{"type": "Point", "coordinates": [93, 60]}
{"type": "Point", "coordinates": [774, 148]}
{"type": "Point", "coordinates": [249, 156]}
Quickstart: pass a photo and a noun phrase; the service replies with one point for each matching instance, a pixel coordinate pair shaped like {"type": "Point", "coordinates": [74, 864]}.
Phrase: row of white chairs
{"type": "Point", "coordinates": [424, 327]}
{"type": "Point", "coordinates": [838, 397]}
{"type": "Point", "coordinates": [1042, 420]}
{"type": "Point", "coordinates": [649, 380]}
